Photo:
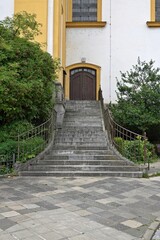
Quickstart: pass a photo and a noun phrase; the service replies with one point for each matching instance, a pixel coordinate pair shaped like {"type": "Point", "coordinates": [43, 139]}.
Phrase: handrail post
{"type": "Point", "coordinates": [145, 150]}
{"type": "Point", "coordinates": [18, 148]}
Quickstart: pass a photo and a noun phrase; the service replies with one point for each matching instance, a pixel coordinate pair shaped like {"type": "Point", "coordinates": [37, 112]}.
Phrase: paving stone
{"type": "Point", "coordinates": [51, 236]}
{"type": "Point", "coordinates": [47, 205]}
{"type": "Point", "coordinates": [83, 213]}
{"type": "Point", "coordinates": [118, 215]}
{"type": "Point", "coordinates": [132, 223]}
{"type": "Point", "coordinates": [27, 211]}
{"type": "Point", "coordinates": [23, 234]}
{"type": "Point", "coordinates": [103, 201]}
{"type": "Point", "coordinates": [15, 228]}
{"type": "Point", "coordinates": [6, 223]}
{"type": "Point", "coordinates": [33, 238]}
{"type": "Point", "coordinates": [10, 214]}
{"type": "Point", "coordinates": [6, 237]}
{"type": "Point", "coordinates": [17, 207]}
{"type": "Point", "coordinates": [157, 235]}
{"type": "Point", "coordinates": [94, 210]}
{"type": "Point", "coordinates": [30, 206]}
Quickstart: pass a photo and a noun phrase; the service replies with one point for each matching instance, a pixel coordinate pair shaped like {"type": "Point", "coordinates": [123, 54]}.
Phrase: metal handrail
{"type": "Point", "coordinates": [130, 144]}
{"type": "Point", "coordinates": [30, 143]}
{"type": "Point", "coordinates": [34, 141]}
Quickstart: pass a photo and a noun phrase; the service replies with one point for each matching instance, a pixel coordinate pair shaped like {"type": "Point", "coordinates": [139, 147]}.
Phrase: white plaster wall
{"type": "Point", "coordinates": [6, 8]}
{"type": "Point", "coordinates": [117, 46]}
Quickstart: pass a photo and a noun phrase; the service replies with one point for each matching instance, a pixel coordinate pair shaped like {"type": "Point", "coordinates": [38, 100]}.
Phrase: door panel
{"type": "Point", "coordinates": [83, 84]}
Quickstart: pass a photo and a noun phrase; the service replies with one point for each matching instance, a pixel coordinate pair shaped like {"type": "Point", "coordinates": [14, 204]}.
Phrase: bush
{"type": "Point", "coordinates": [8, 147]}
{"type": "Point", "coordinates": [134, 150]}
{"type": "Point", "coordinates": [27, 73]}
{"type": "Point", "coordinates": [138, 101]}
{"type": "Point", "coordinates": [30, 148]}
{"type": "Point", "coordinates": [9, 142]}
{"type": "Point", "coordinates": [11, 131]}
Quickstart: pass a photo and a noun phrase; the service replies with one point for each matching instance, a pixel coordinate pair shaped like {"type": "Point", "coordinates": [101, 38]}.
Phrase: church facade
{"type": "Point", "coordinates": [94, 39]}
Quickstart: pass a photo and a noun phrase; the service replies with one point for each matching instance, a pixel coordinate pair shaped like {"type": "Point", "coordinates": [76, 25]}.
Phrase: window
{"type": "Point", "coordinates": [157, 10]}
{"type": "Point", "coordinates": [84, 10]}
{"type": "Point", "coordinates": [84, 13]}
{"type": "Point", "coordinates": [155, 14]}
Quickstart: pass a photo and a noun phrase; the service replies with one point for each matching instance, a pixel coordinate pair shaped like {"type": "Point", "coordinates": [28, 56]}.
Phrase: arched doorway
{"type": "Point", "coordinates": [85, 71]}
{"type": "Point", "coordinates": [82, 84]}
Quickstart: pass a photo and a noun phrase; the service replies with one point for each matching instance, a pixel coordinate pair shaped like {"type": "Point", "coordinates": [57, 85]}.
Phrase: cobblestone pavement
{"type": "Point", "coordinates": [157, 234]}
{"type": "Point", "coordinates": [77, 208]}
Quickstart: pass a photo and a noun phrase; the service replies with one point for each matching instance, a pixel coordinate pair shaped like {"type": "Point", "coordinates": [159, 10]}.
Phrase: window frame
{"type": "Point", "coordinates": [98, 23]}
{"type": "Point", "coordinates": [83, 11]}
{"type": "Point", "coordinates": [153, 22]}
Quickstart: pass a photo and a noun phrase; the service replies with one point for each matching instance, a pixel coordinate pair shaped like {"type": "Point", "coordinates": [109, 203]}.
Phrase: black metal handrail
{"type": "Point", "coordinates": [29, 144]}
{"type": "Point", "coordinates": [34, 141]}
{"type": "Point", "coordinates": [131, 145]}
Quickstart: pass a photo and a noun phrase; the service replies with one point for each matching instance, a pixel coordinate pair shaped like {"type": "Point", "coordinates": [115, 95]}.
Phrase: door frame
{"type": "Point", "coordinates": [82, 65]}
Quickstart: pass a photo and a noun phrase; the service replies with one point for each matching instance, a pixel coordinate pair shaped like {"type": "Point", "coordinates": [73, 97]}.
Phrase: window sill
{"type": "Point", "coordinates": [153, 24]}
{"type": "Point", "coordinates": [85, 24]}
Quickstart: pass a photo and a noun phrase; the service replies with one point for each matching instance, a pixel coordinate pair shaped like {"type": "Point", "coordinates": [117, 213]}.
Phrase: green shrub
{"type": "Point", "coordinates": [5, 170]}
{"type": "Point", "coordinates": [9, 142]}
{"type": "Point", "coordinates": [11, 131]}
{"type": "Point", "coordinates": [138, 98]}
{"type": "Point", "coordinates": [30, 148]}
{"type": "Point", "coordinates": [8, 147]}
{"type": "Point", "coordinates": [134, 150]}
{"type": "Point", "coordinates": [27, 73]}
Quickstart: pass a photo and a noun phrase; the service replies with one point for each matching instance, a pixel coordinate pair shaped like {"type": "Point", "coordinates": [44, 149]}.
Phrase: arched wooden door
{"type": "Point", "coordinates": [83, 84]}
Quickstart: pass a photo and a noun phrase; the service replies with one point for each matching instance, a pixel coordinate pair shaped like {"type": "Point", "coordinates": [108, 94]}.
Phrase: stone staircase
{"type": "Point", "coordinates": [81, 147]}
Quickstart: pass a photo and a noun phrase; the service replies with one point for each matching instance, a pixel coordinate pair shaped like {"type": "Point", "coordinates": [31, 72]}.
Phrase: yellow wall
{"type": "Point", "coordinates": [59, 48]}
{"type": "Point", "coordinates": [40, 8]}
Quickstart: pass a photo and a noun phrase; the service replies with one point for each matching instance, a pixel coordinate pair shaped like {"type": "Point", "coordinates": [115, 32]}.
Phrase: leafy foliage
{"type": "Point", "coordinates": [9, 144]}
{"type": "Point", "coordinates": [138, 104]}
{"type": "Point", "coordinates": [134, 150]}
{"type": "Point", "coordinates": [22, 24]}
{"type": "Point", "coordinates": [27, 73]}
{"type": "Point", "coordinates": [31, 147]}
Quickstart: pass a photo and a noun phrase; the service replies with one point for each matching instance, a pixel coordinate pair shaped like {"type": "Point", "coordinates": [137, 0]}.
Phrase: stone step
{"type": "Point", "coordinates": [136, 174]}
{"type": "Point", "coordinates": [81, 102]}
{"type": "Point", "coordinates": [81, 157]}
{"type": "Point", "coordinates": [82, 124]}
{"type": "Point", "coordinates": [81, 152]}
{"type": "Point", "coordinates": [80, 134]}
{"type": "Point", "coordinates": [95, 114]}
{"type": "Point", "coordinates": [82, 162]}
{"type": "Point", "coordinates": [81, 143]}
{"type": "Point", "coordinates": [40, 167]}
{"type": "Point", "coordinates": [85, 129]}
{"type": "Point", "coordinates": [80, 138]}
{"type": "Point", "coordinates": [79, 147]}
{"type": "Point", "coordinates": [82, 115]}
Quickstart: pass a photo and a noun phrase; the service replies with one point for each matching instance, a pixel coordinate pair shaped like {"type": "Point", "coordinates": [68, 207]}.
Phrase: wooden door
{"type": "Point", "coordinates": [83, 84]}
